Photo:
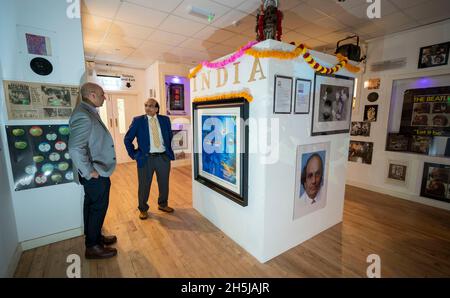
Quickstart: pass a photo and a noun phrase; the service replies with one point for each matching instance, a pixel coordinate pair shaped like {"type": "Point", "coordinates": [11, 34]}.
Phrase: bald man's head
{"type": "Point", "coordinates": [151, 107]}
{"type": "Point", "coordinates": [93, 94]}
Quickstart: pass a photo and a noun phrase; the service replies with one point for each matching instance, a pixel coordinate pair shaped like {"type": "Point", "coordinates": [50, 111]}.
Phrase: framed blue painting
{"type": "Point", "coordinates": [221, 147]}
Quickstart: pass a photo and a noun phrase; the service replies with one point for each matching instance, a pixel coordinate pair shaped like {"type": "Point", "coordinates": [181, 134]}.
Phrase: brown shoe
{"type": "Point", "coordinates": [166, 209]}
{"type": "Point", "coordinates": [108, 240]}
{"type": "Point", "coordinates": [100, 252]}
{"type": "Point", "coordinates": [143, 215]}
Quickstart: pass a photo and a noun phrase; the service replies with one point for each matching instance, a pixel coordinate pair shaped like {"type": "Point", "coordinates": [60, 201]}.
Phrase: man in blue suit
{"type": "Point", "coordinates": [154, 153]}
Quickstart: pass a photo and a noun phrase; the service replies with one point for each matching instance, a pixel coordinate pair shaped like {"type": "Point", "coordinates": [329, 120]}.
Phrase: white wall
{"type": "Point", "coordinates": [9, 242]}
{"type": "Point", "coordinates": [265, 228]}
{"type": "Point", "coordinates": [405, 44]}
{"type": "Point", "coordinates": [47, 214]}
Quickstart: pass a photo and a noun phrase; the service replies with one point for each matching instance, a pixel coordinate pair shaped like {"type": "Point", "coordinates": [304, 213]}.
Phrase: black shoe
{"type": "Point", "coordinates": [100, 252]}
{"type": "Point", "coordinates": [108, 240]}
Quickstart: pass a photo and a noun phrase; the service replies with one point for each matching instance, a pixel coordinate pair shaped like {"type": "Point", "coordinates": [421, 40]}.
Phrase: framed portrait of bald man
{"type": "Point", "coordinates": [311, 178]}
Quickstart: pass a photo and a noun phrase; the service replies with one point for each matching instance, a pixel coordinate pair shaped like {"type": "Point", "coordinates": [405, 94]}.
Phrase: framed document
{"type": "Point", "coordinates": [302, 96]}
{"type": "Point", "coordinates": [282, 95]}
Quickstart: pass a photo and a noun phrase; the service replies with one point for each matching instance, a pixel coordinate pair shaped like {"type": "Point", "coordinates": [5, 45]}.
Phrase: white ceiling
{"type": "Point", "coordinates": [136, 33]}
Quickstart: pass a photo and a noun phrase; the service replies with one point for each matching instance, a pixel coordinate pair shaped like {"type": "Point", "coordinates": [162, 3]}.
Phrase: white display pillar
{"type": "Point", "coordinates": [265, 228]}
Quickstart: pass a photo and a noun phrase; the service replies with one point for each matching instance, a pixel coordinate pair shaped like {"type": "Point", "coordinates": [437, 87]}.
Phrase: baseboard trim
{"type": "Point", "coordinates": [14, 261]}
{"type": "Point", "coordinates": [30, 244]}
{"type": "Point", "coordinates": [400, 195]}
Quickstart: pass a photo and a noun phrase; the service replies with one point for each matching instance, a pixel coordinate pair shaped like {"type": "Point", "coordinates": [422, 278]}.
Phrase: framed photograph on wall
{"type": "Point", "coordinates": [175, 98]}
{"type": "Point", "coordinates": [332, 103]}
{"type": "Point", "coordinates": [282, 98]}
{"type": "Point", "coordinates": [370, 113]}
{"type": "Point", "coordinates": [420, 144]}
{"type": "Point", "coordinates": [360, 129]}
{"type": "Point", "coordinates": [360, 152]}
{"type": "Point", "coordinates": [434, 55]}
{"type": "Point", "coordinates": [397, 171]}
{"type": "Point", "coordinates": [435, 182]}
{"type": "Point", "coordinates": [397, 142]}
{"type": "Point", "coordinates": [221, 147]}
{"type": "Point", "coordinates": [302, 96]}
{"type": "Point", "coordinates": [311, 178]}
{"type": "Point", "coordinates": [180, 139]}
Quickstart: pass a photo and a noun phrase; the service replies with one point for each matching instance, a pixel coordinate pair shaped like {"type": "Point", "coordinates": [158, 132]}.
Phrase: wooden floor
{"type": "Point", "coordinates": [412, 240]}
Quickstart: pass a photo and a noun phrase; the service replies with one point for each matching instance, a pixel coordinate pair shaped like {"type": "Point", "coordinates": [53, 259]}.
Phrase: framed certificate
{"type": "Point", "coordinates": [282, 95]}
{"type": "Point", "coordinates": [302, 96]}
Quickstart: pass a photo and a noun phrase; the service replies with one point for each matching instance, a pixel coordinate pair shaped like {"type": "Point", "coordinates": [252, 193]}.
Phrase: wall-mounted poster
{"type": "Point", "coordinates": [426, 111]}
{"type": "Point", "coordinates": [39, 155]}
{"type": "Point", "coordinates": [360, 129]}
{"type": "Point", "coordinates": [332, 102]}
{"type": "Point", "coordinates": [39, 101]}
{"type": "Point", "coordinates": [434, 55]}
{"type": "Point", "coordinates": [221, 147]}
{"type": "Point", "coordinates": [436, 181]}
{"type": "Point", "coordinates": [397, 142]}
{"type": "Point", "coordinates": [176, 97]}
{"type": "Point", "coordinates": [397, 171]}
{"type": "Point", "coordinates": [302, 96]}
{"type": "Point", "coordinates": [360, 152]}
{"type": "Point", "coordinates": [180, 139]}
{"type": "Point", "coordinates": [370, 113]}
{"type": "Point", "coordinates": [311, 178]}
{"type": "Point", "coordinates": [282, 97]}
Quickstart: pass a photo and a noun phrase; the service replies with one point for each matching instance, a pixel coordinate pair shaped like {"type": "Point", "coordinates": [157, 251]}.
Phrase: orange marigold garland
{"type": "Point", "coordinates": [301, 50]}
{"type": "Point", "coordinates": [224, 96]}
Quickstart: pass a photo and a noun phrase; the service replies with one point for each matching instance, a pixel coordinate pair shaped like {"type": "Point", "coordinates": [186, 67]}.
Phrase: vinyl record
{"type": "Point", "coordinates": [41, 66]}
{"type": "Point", "coordinates": [372, 97]}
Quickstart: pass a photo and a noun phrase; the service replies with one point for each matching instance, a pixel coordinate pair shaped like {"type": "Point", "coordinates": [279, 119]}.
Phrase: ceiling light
{"type": "Point", "coordinates": [202, 13]}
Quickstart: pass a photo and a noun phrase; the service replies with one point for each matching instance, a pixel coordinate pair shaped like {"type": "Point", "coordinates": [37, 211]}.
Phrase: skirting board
{"type": "Point", "coordinates": [14, 261]}
{"type": "Point", "coordinates": [30, 244]}
{"type": "Point", "coordinates": [400, 195]}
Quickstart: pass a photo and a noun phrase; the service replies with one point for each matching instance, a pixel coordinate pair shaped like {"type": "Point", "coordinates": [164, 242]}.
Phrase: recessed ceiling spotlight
{"type": "Point", "coordinates": [202, 13]}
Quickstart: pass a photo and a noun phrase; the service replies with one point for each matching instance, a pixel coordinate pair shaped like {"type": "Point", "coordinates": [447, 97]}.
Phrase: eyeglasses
{"type": "Point", "coordinates": [150, 106]}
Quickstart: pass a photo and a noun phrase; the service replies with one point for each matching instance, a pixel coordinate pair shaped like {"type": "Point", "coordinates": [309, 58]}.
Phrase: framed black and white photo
{"type": "Point", "coordinates": [311, 178]}
{"type": "Point", "coordinates": [360, 129]}
{"type": "Point", "coordinates": [332, 104]}
{"type": "Point", "coordinates": [221, 147]}
{"type": "Point", "coordinates": [302, 96]}
{"type": "Point", "coordinates": [434, 55]}
{"type": "Point", "coordinates": [282, 99]}
{"type": "Point", "coordinates": [397, 171]}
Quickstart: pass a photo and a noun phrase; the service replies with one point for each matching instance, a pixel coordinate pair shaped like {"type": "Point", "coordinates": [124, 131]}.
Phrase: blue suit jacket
{"type": "Point", "coordinates": [139, 129]}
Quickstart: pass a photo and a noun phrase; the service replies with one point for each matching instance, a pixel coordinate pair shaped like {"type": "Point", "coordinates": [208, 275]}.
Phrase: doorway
{"type": "Point", "coordinates": [117, 113]}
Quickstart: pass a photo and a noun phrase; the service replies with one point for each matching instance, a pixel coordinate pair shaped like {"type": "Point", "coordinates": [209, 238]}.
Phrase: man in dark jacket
{"type": "Point", "coordinates": [154, 153]}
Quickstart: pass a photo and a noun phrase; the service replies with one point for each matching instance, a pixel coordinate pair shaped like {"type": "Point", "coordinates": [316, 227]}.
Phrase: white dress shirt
{"type": "Point", "coordinates": [308, 201]}
{"type": "Point", "coordinates": [153, 148]}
